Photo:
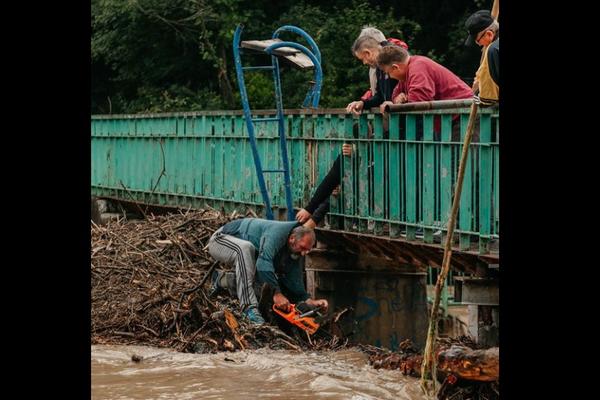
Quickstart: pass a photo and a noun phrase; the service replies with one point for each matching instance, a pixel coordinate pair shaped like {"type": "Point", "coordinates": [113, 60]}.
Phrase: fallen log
{"type": "Point", "coordinates": [469, 364]}
{"type": "Point", "coordinates": [482, 365]}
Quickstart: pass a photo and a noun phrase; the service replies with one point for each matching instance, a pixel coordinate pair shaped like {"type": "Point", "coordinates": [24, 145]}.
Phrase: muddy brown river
{"type": "Point", "coordinates": [256, 374]}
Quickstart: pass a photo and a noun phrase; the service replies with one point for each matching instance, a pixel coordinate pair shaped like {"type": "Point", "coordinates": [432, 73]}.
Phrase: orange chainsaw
{"type": "Point", "coordinates": [301, 316]}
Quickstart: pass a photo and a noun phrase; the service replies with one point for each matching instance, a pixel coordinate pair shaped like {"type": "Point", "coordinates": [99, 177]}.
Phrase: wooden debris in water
{"type": "Point", "coordinates": [465, 369]}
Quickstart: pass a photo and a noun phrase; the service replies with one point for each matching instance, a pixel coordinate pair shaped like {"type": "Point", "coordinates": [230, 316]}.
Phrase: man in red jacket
{"type": "Point", "coordinates": [420, 78]}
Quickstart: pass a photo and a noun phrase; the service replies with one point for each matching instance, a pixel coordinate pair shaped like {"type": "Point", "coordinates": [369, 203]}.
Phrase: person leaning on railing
{"type": "Point", "coordinates": [421, 79]}
{"type": "Point", "coordinates": [366, 47]}
{"type": "Point", "coordinates": [371, 31]}
{"type": "Point", "coordinates": [484, 31]}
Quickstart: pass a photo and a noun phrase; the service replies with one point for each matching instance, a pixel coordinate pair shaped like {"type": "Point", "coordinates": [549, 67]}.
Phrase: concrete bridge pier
{"type": "Point", "coordinates": [481, 295]}
{"type": "Point", "coordinates": [388, 301]}
{"type": "Point", "coordinates": [104, 210]}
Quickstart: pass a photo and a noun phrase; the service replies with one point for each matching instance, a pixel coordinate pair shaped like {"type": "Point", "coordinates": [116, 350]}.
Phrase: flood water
{"type": "Point", "coordinates": [255, 374]}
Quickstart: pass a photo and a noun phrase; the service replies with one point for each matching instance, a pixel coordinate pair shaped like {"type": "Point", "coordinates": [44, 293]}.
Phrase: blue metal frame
{"type": "Point", "coordinates": [287, 182]}
{"type": "Point", "coordinates": [248, 117]}
{"type": "Point", "coordinates": [312, 96]}
{"type": "Point", "coordinates": [315, 92]}
{"type": "Point", "coordinates": [306, 36]}
{"type": "Point", "coordinates": [316, 88]}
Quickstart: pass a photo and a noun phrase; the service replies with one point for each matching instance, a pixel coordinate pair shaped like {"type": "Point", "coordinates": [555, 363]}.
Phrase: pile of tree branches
{"type": "Point", "coordinates": [149, 286]}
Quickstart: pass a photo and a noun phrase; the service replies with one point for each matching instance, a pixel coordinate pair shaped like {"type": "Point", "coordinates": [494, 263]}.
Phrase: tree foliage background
{"type": "Point", "coordinates": [176, 55]}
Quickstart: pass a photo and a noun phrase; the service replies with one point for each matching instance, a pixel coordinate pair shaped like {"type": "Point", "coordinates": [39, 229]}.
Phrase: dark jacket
{"type": "Point", "coordinates": [494, 60]}
{"type": "Point", "coordinates": [385, 86]}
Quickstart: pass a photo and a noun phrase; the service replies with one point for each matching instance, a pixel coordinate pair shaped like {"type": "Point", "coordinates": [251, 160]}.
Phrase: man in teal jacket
{"type": "Point", "coordinates": [271, 250]}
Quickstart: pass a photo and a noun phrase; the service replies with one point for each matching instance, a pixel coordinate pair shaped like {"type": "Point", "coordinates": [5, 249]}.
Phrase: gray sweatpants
{"type": "Point", "coordinates": [239, 253]}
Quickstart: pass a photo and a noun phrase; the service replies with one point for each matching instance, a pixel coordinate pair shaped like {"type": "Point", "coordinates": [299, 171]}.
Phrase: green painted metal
{"type": "Point", "coordinates": [394, 186]}
{"type": "Point", "coordinates": [335, 149]}
{"type": "Point", "coordinates": [301, 174]}
{"type": "Point", "coordinates": [495, 187]}
{"type": "Point", "coordinates": [446, 172]}
{"type": "Point", "coordinates": [465, 213]}
{"type": "Point", "coordinates": [485, 180]}
{"type": "Point", "coordinates": [349, 177]}
{"type": "Point", "coordinates": [399, 178]}
{"type": "Point", "coordinates": [297, 158]}
{"type": "Point", "coordinates": [323, 163]}
{"type": "Point", "coordinates": [410, 182]}
{"type": "Point", "coordinates": [364, 162]}
{"type": "Point", "coordinates": [428, 188]}
{"type": "Point", "coordinates": [379, 174]}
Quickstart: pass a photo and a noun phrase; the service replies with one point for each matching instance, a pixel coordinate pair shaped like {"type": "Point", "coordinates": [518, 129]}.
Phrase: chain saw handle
{"type": "Point", "coordinates": [302, 321]}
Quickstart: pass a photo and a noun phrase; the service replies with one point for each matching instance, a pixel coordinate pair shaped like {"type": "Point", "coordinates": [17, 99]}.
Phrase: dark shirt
{"type": "Point", "coordinates": [494, 60]}
{"type": "Point", "coordinates": [385, 86]}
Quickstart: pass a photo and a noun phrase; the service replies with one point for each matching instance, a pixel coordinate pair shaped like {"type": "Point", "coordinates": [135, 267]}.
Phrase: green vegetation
{"type": "Point", "coordinates": [176, 55]}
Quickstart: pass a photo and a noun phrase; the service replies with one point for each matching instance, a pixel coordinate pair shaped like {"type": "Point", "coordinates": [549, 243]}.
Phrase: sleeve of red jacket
{"type": "Point", "coordinates": [367, 95]}
{"type": "Point", "coordinates": [420, 87]}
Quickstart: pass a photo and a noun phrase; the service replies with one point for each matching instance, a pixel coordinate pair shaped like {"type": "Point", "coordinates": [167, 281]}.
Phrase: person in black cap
{"type": "Point", "coordinates": [484, 31]}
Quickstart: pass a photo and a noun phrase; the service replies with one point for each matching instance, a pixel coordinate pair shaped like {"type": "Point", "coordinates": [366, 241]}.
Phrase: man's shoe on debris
{"type": "Point", "coordinates": [254, 316]}
{"type": "Point", "coordinates": [214, 286]}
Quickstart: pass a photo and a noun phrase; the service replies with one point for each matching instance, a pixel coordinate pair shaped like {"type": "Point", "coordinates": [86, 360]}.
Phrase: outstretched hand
{"type": "Point", "coordinates": [318, 303]}
{"type": "Point", "coordinates": [302, 215]}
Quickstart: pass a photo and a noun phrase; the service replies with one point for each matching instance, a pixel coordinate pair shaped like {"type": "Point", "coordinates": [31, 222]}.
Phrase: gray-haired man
{"type": "Point", "coordinates": [269, 251]}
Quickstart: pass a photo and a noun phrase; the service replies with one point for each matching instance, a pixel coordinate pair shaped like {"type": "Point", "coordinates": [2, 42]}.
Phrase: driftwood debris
{"type": "Point", "coordinates": [459, 357]}
{"type": "Point", "coordinates": [149, 287]}
{"type": "Point", "coordinates": [465, 369]}
{"type": "Point", "coordinates": [475, 365]}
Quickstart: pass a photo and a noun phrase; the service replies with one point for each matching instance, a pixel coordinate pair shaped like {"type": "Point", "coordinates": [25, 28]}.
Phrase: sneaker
{"type": "Point", "coordinates": [254, 316]}
{"type": "Point", "coordinates": [214, 286]}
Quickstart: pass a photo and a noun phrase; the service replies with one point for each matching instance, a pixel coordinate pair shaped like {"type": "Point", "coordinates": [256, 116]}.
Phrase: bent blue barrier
{"type": "Point", "coordinates": [312, 97]}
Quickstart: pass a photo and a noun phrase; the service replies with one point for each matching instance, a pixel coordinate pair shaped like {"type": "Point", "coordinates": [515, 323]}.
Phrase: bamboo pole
{"type": "Point", "coordinates": [428, 356]}
{"type": "Point", "coordinates": [495, 9]}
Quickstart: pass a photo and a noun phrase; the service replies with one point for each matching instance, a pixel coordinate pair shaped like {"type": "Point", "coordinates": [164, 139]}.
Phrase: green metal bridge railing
{"type": "Point", "coordinates": [397, 183]}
